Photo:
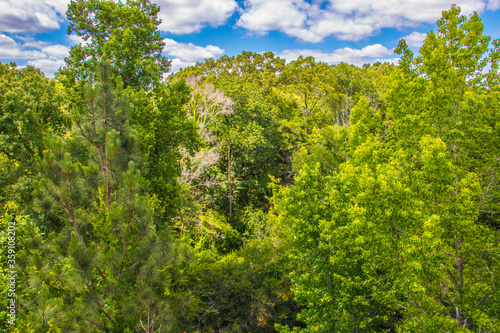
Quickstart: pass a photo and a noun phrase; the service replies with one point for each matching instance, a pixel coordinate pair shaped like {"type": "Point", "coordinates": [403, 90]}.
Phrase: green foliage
{"type": "Point", "coordinates": [246, 291]}
{"type": "Point", "coordinates": [327, 146]}
{"type": "Point", "coordinates": [391, 239]}
{"type": "Point", "coordinates": [307, 80]}
{"type": "Point", "coordinates": [30, 106]}
{"type": "Point", "coordinates": [241, 136]}
{"type": "Point", "coordinates": [125, 32]}
{"type": "Point", "coordinates": [165, 131]}
{"type": "Point", "coordinates": [303, 197]}
{"type": "Point", "coordinates": [452, 96]}
{"type": "Point", "coordinates": [109, 259]}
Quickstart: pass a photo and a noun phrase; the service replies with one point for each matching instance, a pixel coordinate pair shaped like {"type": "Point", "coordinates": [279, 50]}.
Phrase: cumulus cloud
{"type": "Point", "coordinates": [178, 64]}
{"type": "Point", "coordinates": [48, 57]}
{"type": "Point", "coordinates": [48, 66]}
{"type": "Point", "coordinates": [414, 10]}
{"type": "Point", "coordinates": [56, 51]}
{"type": "Point", "coordinates": [178, 16]}
{"type": "Point", "coordinates": [261, 16]}
{"type": "Point", "coordinates": [10, 49]}
{"type": "Point", "coordinates": [20, 16]}
{"type": "Point", "coordinates": [415, 39]}
{"type": "Point", "coordinates": [187, 54]}
{"type": "Point", "coordinates": [188, 16]}
{"type": "Point", "coordinates": [493, 5]}
{"type": "Point", "coordinates": [346, 20]}
{"type": "Point", "coordinates": [358, 57]}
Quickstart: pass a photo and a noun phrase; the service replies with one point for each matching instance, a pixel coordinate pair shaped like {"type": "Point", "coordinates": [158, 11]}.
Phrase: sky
{"type": "Point", "coordinates": [34, 32]}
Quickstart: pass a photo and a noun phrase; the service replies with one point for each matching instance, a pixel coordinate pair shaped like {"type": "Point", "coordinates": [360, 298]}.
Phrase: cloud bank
{"type": "Point", "coordinates": [350, 20]}
{"type": "Point", "coordinates": [48, 57]}
{"type": "Point", "coordinates": [31, 16]}
{"type": "Point", "coordinates": [358, 57]}
{"type": "Point", "coordinates": [188, 16]}
{"type": "Point", "coordinates": [187, 54]}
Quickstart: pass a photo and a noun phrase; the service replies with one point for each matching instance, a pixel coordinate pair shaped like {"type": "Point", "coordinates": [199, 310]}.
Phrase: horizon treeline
{"type": "Point", "coordinates": [248, 194]}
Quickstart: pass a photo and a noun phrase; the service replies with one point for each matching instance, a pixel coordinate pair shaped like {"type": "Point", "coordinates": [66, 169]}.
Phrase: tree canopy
{"type": "Point", "coordinates": [248, 194]}
{"type": "Point", "coordinates": [125, 32]}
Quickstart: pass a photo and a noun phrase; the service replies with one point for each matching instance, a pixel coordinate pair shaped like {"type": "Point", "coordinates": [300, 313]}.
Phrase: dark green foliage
{"type": "Point", "coordinates": [164, 128]}
{"type": "Point", "coordinates": [109, 255]}
{"type": "Point", "coordinates": [245, 291]}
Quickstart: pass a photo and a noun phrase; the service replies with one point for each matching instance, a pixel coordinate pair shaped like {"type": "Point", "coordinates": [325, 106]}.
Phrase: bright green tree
{"type": "Point", "coordinates": [394, 239]}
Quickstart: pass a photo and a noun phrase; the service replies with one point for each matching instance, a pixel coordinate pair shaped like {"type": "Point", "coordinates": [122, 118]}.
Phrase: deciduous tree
{"type": "Point", "coordinates": [126, 32]}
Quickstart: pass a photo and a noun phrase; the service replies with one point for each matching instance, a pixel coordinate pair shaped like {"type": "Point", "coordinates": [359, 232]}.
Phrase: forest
{"type": "Point", "coordinates": [247, 193]}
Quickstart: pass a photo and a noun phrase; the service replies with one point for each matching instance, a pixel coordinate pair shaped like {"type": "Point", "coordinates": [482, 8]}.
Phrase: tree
{"type": "Point", "coordinates": [458, 107]}
{"type": "Point", "coordinates": [125, 32]}
{"type": "Point", "coordinates": [458, 99]}
{"type": "Point", "coordinates": [166, 132]}
{"type": "Point", "coordinates": [246, 138]}
{"type": "Point", "coordinates": [108, 257]}
{"type": "Point", "coordinates": [393, 239]}
{"type": "Point", "coordinates": [31, 106]}
{"type": "Point", "coordinates": [307, 81]}
{"type": "Point", "coordinates": [255, 294]}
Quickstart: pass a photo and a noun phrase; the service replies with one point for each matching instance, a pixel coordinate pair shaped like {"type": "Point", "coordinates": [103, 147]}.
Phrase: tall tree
{"type": "Point", "coordinates": [393, 239]}
{"type": "Point", "coordinates": [127, 33]}
{"type": "Point", "coordinates": [306, 79]}
{"type": "Point", "coordinates": [110, 255]}
{"type": "Point", "coordinates": [166, 132]}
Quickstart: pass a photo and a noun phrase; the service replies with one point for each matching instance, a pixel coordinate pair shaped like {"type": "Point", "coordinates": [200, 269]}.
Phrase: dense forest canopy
{"type": "Point", "coordinates": [248, 194]}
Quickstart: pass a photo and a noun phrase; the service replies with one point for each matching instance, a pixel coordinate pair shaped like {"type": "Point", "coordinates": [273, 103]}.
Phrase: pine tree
{"type": "Point", "coordinates": [109, 257]}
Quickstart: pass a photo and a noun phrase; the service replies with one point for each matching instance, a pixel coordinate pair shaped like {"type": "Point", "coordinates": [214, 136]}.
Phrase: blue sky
{"type": "Point", "coordinates": [33, 32]}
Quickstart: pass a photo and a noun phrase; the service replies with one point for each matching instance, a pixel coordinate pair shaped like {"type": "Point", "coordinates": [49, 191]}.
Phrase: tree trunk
{"type": "Point", "coordinates": [230, 183]}
{"type": "Point", "coordinates": [459, 284]}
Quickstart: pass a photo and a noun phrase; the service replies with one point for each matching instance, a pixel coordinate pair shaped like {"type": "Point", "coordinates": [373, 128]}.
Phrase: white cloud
{"type": "Point", "coordinates": [75, 39]}
{"type": "Point", "coordinates": [178, 16]}
{"type": "Point", "coordinates": [47, 57]}
{"type": "Point", "coordinates": [188, 16]}
{"type": "Point", "coordinates": [493, 5]}
{"type": "Point", "coordinates": [48, 66]}
{"type": "Point", "coordinates": [178, 64]}
{"type": "Point", "coordinates": [17, 16]}
{"type": "Point", "coordinates": [415, 39]}
{"type": "Point", "coordinates": [29, 42]}
{"type": "Point", "coordinates": [56, 51]}
{"type": "Point", "coordinates": [187, 54]}
{"type": "Point", "coordinates": [358, 57]}
{"type": "Point", "coordinates": [346, 20]}
{"type": "Point", "coordinates": [189, 51]}
{"type": "Point", "coordinates": [414, 10]}
{"type": "Point", "coordinates": [10, 49]}
{"type": "Point", "coordinates": [261, 16]}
